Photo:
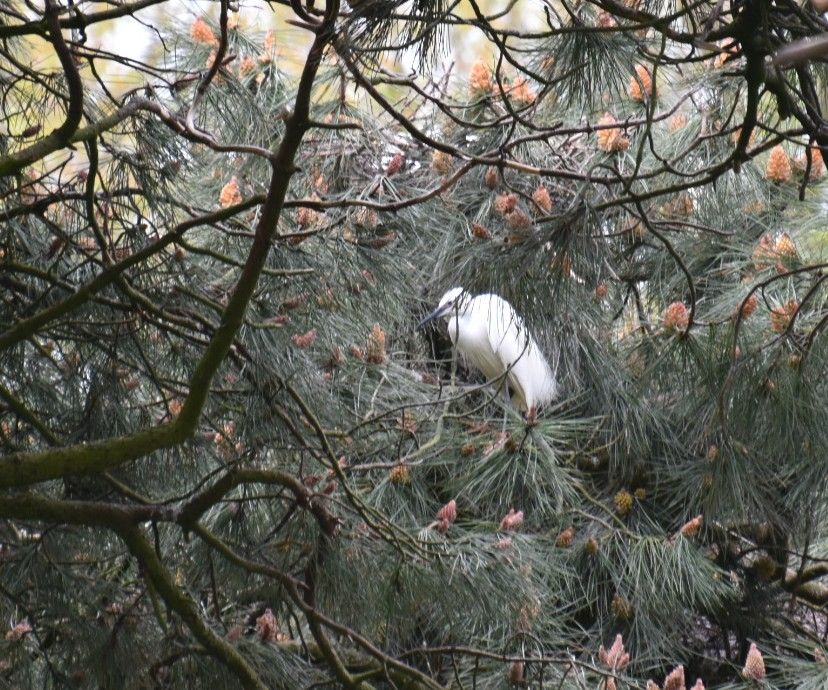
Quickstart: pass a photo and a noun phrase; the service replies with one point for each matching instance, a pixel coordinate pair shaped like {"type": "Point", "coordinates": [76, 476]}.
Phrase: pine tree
{"type": "Point", "coordinates": [229, 458]}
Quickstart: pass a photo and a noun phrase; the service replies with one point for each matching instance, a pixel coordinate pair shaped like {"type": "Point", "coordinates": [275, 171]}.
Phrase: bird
{"type": "Point", "coordinates": [491, 336]}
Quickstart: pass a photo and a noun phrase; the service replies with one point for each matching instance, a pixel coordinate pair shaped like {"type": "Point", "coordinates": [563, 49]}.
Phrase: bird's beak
{"type": "Point", "coordinates": [436, 314]}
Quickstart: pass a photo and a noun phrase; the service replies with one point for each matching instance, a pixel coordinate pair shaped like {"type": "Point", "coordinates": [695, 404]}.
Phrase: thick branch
{"type": "Point", "coordinates": [175, 598]}
{"type": "Point", "coordinates": [21, 469]}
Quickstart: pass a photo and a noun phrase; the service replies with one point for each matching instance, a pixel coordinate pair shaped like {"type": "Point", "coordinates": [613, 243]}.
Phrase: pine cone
{"type": "Point", "coordinates": [692, 527]}
{"type": "Point", "coordinates": [375, 349]}
{"type": "Point", "coordinates": [305, 340]}
{"type": "Point", "coordinates": [19, 631]}
{"type": "Point", "coordinates": [616, 658]}
{"type": "Point", "coordinates": [611, 139]}
{"type": "Point", "coordinates": [480, 78]}
{"type": "Point", "coordinates": [749, 306]}
{"type": "Point", "coordinates": [623, 502]}
{"type": "Point", "coordinates": [512, 520]}
{"type": "Point", "coordinates": [564, 539]}
{"type": "Point", "coordinates": [817, 164]}
{"type": "Point", "coordinates": [441, 162]}
{"type": "Point", "coordinates": [467, 449]}
{"type": "Point", "coordinates": [764, 254]}
{"type": "Point", "coordinates": [400, 474]}
{"type": "Point", "coordinates": [446, 515]}
{"type": "Point", "coordinates": [267, 627]}
{"type": "Point", "coordinates": [396, 164]}
{"type": "Point", "coordinates": [201, 32]}
{"type": "Point", "coordinates": [785, 246]}
{"type": "Point", "coordinates": [320, 184]}
{"type": "Point", "coordinates": [518, 220]}
{"type": "Point", "coordinates": [621, 608]}
{"type": "Point", "coordinates": [305, 217]}
{"type": "Point", "coordinates": [230, 193]}
{"type": "Point", "coordinates": [208, 63]}
{"type": "Point", "coordinates": [680, 207]}
{"type": "Point", "coordinates": [367, 218]}
{"type": "Point", "coordinates": [641, 83]}
{"type": "Point", "coordinates": [754, 664]}
{"type": "Point", "coordinates": [246, 65]}
{"type": "Point", "coordinates": [505, 203]}
{"type": "Point", "coordinates": [270, 42]}
{"type": "Point", "coordinates": [605, 20]}
{"type": "Point", "coordinates": [337, 357]}
{"type": "Point", "coordinates": [778, 168]}
{"type": "Point", "coordinates": [675, 679]}
{"type": "Point", "coordinates": [406, 423]}
{"type": "Point", "coordinates": [278, 320]}
{"type": "Point", "coordinates": [676, 317]}
{"type": "Point", "coordinates": [678, 122]}
{"type": "Point", "coordinates": [635, 229]}
{"type": "Point", "coordinates": [294, 301]}
{"type": "Point", "coordinates": [477, 427]}
{"type": "Point", "coordinates": [541, 197]}
{"type": "Point", "coordinates": [725, 56]}
{"type": "Point", "coordinates": [174, 407]}
{"type": "Point", "coordinates": [781, 316]}
{"type": "Point", "coordinates": [481, 232]}
{"type": "Point", "coordinates": [521, 92]}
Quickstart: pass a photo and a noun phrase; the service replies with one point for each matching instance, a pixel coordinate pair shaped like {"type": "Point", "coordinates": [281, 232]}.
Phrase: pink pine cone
{"type": "Point", "coordinates": [512, 520]}
{"type": "Point", "coordinates": [446, 515]}
{"type": "Point", "coordinates": [616, 658]}
{"type": "Point", "coordinates": [675, 679]}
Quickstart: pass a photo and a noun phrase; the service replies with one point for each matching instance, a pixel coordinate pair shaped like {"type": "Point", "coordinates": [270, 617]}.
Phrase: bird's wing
{"type": "Point", "coordinates": [507, 335]}
{"type": "Point", "coordinates": [529, 372]}
{"type": "Point", "coordinates": [471, 340]}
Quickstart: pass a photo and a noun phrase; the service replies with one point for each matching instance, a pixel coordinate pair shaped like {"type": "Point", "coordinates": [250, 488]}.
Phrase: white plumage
{"type": "Point", "coordinates": [489, 334]}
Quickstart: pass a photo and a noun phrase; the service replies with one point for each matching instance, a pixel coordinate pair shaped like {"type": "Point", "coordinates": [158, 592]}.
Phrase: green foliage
{"type": "Point", "coordinates": [343, 434]}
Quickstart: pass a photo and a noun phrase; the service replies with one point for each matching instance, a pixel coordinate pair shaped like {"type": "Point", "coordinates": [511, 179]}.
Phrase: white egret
{"type": "Point", "coordinates": [491, 336]}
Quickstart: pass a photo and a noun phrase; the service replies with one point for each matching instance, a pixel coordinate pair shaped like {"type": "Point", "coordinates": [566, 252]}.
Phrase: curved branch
{"type": "Point", "coordinates": [78, 20]}
{"type": "Point", "coordinates": [177, 600]}
{"type": "Point", "coordinates": [198, 504]}
{"type": "Point", "coordinates": [27, 327]}
{"type": "Point", "coordinates": [61, 136]}
{"type": "Point", "coordinates": [21, 469]}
